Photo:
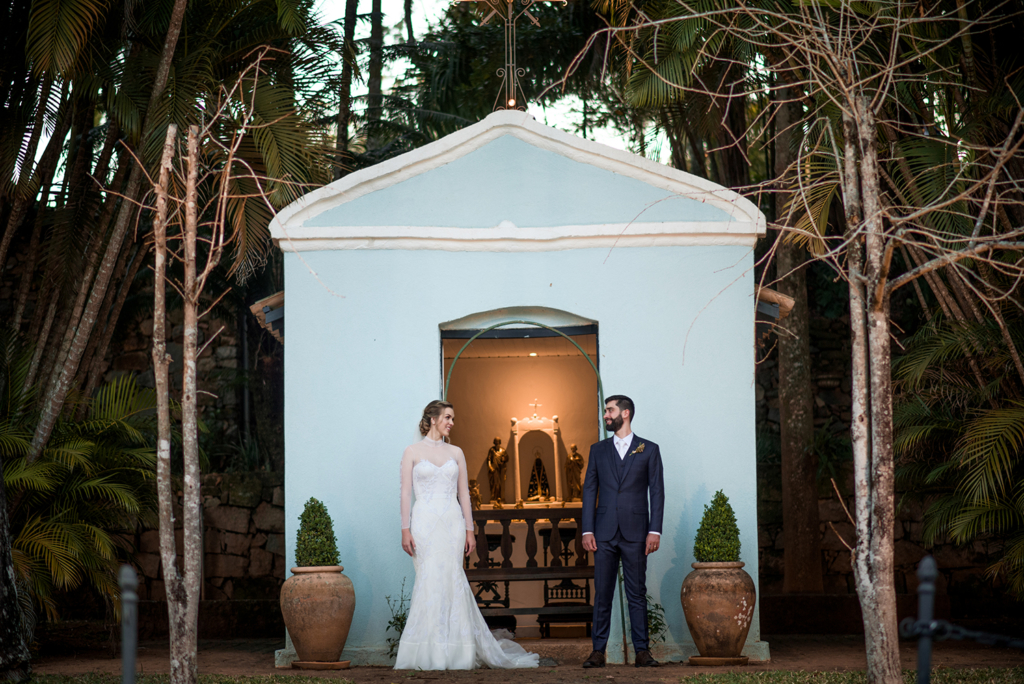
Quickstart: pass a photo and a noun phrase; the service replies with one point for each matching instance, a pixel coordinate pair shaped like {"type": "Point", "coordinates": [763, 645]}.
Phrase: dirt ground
{"type": "Point", "coordinates": [256, 657]}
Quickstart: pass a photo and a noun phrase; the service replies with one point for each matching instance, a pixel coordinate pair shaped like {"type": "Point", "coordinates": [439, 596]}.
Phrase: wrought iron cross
{"type": "Point", "coordinates": [535, 405]}
{"type": "Point", "coordinates": [511, 95]}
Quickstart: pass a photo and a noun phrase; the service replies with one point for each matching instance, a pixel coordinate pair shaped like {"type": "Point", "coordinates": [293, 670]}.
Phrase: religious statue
{"type": "Point", "coordinates": [497, 464]}
{"type": "Point", "coordinates": [474, 495]}
{"type": "Point", "coordinates": [573, 470]}
{"type": "Point", "coordinates": [538, 490]}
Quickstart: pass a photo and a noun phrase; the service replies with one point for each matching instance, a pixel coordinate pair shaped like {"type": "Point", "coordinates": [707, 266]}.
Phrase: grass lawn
{"type": "Point", "coordinates": [1014, 675]}
{"type": "Point", "coordinates": [939, 676]}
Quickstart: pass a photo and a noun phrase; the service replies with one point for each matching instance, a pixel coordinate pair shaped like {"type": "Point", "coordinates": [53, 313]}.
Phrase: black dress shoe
{"type": "Point", "coordinates": [645, 659]}
{"type": "Point", "coordinates": [596, 659]}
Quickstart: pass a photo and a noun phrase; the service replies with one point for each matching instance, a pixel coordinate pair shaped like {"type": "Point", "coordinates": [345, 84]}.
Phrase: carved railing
{"type": "Point", "coordinates": [560, 561]}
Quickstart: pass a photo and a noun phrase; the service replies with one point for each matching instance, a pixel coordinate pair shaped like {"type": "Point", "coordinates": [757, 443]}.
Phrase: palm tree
{"type": "Point", "coordinates": [73, 509]}
{"type": "Point", "coordinates": [108, 73]}
{"type": "Point", "coordinates": [961, 446]}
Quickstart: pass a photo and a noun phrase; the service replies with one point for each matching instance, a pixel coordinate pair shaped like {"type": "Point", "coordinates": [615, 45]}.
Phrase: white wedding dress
{"type": "Point", "coordinates": [444, 629]}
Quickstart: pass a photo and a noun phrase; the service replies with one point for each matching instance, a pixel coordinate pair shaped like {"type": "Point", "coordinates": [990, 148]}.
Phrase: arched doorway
{"type": "Point", "coordinates": [527, 361]}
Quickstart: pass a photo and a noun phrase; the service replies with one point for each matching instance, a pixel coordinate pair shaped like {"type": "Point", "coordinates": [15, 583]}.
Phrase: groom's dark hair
{"type": "Point", "coordinates": [624, 403]}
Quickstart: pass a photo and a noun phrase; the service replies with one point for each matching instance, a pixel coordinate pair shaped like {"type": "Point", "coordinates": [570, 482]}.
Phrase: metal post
{"type": "Point", "coordinates": [129, 622]}
{"type": "Point", "coordinates": [927, 572]}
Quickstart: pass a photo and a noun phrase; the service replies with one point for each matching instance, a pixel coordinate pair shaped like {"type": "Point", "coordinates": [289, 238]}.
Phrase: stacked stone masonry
{"type": "Point", "coordinates": [243, 539]}
{"type": "Point", "coordinates": [961, 569]}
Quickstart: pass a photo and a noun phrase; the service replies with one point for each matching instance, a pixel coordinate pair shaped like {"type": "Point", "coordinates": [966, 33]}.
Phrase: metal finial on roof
{"type": "Point", "coordinates": [511, 95]}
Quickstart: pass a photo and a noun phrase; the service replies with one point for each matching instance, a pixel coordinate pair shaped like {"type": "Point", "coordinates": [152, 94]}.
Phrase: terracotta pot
{"type": "Point", "coordinates": [718, 602]}
{"type": "Point", "coordinates": [317, 604]}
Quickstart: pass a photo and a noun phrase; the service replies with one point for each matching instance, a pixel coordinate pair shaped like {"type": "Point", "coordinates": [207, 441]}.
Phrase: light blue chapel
{"type": "Point", "coordinates": [626, 277]}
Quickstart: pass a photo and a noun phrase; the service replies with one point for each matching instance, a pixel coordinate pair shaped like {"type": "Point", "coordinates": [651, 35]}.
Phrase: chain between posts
{"type": "Point", "coordinates": [925, 628]}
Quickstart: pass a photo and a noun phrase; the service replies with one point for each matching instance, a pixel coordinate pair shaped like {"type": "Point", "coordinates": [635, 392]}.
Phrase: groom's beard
{"type": "Point", "coordinates": [613, 424]}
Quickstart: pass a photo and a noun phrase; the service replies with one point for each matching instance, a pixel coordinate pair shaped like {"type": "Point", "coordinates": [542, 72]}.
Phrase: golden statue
{"type": "Point", "coordinates": [497, 463]}
{"type": "Point", "coordinates": [573, 472]}
{"type": "Point", "coordinates": [474, 495]}
{"type": "Point", "coordinates": [538, 490]}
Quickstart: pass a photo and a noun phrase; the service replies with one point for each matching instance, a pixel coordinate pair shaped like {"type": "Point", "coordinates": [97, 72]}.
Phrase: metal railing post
{"type": "Point", "coordinates": [926, 629]}
{"type": "Point", "coordinates": [129, 622]}
{"type": "Point", "coordinates": [927, 572]}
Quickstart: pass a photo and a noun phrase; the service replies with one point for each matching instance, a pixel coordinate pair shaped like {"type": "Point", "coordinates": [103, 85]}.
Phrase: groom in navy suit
{"type": "Point", "coordinates": [618, 525]}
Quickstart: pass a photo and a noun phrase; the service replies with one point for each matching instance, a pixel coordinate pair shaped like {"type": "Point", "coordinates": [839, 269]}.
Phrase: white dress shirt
{"type": "Point", "coordinates": [622, 443]}
{"type": "Point", "coordinates": [621, 447]}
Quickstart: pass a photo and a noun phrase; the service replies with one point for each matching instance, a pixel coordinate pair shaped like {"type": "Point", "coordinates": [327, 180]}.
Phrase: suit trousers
{"type": "Point", "coordinates": [634, 574]}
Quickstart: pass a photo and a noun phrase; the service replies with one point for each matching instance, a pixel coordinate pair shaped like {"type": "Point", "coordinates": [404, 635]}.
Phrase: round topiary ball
{"type": "Point", "coordinates": [316, 544]}
{"type": "Point", "coordinates": [718, 538]}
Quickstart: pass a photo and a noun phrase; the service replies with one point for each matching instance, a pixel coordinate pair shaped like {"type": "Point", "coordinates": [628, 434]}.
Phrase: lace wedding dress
{"type": "Point", "coordinates": [444, 629]}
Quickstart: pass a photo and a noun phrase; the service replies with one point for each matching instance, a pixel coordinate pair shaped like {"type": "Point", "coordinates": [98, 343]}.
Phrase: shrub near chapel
{"type": "Point", "coordinates": [718, 537]}
{"type": "Point", "coordinates": [315, 544]}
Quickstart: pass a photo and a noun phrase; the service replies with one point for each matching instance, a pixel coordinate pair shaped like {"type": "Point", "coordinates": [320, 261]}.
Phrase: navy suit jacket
{"type": "Point", "coordinates": [612, 502]}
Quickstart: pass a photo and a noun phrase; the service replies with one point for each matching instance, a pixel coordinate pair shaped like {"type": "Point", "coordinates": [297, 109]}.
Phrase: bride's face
{"type": "Point", "coordinates": [445, 421]}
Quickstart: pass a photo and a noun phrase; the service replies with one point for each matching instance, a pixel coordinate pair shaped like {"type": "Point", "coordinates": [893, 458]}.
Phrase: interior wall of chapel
{"type": "Point", "coordinates": [488, 392]}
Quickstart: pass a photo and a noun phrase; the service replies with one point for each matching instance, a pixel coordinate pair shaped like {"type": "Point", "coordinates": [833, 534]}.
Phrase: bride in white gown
{"type": "Point", "coordinates": [444, 629]}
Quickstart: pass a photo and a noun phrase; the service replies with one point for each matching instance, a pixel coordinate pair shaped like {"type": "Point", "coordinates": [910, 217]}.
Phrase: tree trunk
{"type": "Point", "coordinates": [181, 663]}
{"type": "Point", "coordinates": [57, 392]}
{"type": "Point", "coordinates": [59, 369]}
{"type": "Point", "coordinates": [44, 335]}
{"type": "Point", "coordinates": [45, 182]}
{"type": "Point", "coordinates": [345, 97]}
{"type": "Point", "coordinates": [871, 428]}
{"type": "Point", "coordinates": [29, 269]}
{"type": "Point", "coordinates": [97, 365]}
{"type": "Point", "coordinates": [184, 633]}
{"type": "Point", "coordinates": [115, 287]}
{"type": "Point", "coordinates": [408, 24]}
{"type": "Point", "coordinates": [15, 663]}
{"type": "Point", "coordinates": [373, 82]}
{"type": "Point", "coordinates": [800, 524]}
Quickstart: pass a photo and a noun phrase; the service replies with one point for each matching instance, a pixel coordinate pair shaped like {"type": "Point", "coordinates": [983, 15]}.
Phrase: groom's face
{"type": "Point", "coordinates": [613, 417]}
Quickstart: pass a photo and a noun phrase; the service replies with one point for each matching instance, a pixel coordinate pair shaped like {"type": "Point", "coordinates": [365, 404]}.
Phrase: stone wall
{"type": "Point", "coordinates": [218, 376]}
{"type": "Point", "coordinates": [243, 539]}
{"type": "Point", "coordinates": [961, 569]}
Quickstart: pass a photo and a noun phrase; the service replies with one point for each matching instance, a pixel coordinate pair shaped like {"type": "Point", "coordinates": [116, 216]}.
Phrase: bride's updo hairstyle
{"type": "Point", "coordinates": [433, 410]}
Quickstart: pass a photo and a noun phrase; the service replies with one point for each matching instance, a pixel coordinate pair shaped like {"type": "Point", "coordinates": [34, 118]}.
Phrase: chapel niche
{"type": "Point", "coordinates": [532, 389]}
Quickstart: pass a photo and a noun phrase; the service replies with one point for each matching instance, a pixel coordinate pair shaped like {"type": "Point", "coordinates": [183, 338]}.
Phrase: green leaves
{"type": "Point", "coordinates": [961, 442]}
{"type": "Point", "coordinates": [75, 507]}
{"type": "Point", "coordinates": [58, 31]}
{"type": "Point", "coordinates": [718, 537]}
{"type": "Point", "coordinates": [315, 544]}
{"type": "Point", "coordinates": [291, 16]}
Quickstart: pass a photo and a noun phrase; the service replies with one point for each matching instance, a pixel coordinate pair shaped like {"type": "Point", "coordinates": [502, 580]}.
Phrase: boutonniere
{"type": "Point", "coordinates": [638, 450]}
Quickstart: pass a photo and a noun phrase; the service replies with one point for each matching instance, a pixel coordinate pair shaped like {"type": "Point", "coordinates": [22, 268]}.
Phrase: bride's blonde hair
{"type": "Point", "coordinates": [433, 410]}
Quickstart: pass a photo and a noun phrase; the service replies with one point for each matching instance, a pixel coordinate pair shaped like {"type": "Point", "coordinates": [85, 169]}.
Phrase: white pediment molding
{"type": "Point", "coordinates": [742, 225]}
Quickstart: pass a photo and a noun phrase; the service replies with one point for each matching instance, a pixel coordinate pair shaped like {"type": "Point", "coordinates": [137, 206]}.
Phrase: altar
{"type": "Point", "coordinates": [522, 273]}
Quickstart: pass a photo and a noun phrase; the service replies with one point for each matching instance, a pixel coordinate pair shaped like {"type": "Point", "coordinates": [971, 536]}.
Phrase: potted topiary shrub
{"type": "Point", "coordinates": [317, 601]}
{"type": "Point", "coordinates": [718, 595]}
